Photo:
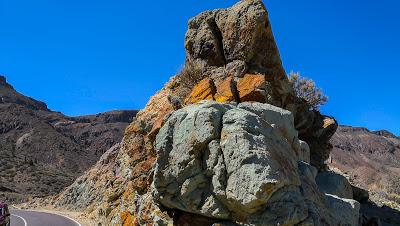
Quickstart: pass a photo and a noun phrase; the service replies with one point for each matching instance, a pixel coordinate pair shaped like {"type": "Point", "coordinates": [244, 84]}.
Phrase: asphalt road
{"type": "Point", "coordinates": [32, 218]}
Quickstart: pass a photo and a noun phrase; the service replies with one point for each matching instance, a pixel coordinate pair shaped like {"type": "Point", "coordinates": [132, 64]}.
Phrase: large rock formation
{"type": "Point", "coordinates": [237, 44]}
{"type": "Point", "coordinates": [238, 163]}
{"type": "Point", "coordinates": [236, 41]}
{"type": "Point", "coordinates": [217, 160]}
{"type": "Point", "coordinates": [223, 163]}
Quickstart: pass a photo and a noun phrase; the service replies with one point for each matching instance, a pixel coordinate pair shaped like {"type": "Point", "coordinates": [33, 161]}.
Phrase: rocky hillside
{"type": "Point", "coordinates": [225, 142]}
{"type": "Point", "coordinates": [42, 151]}
{"type": "Point", "coordinates": [371, 160]}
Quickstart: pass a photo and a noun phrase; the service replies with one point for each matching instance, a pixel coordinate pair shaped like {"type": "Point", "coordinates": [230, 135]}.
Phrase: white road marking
{"type": "Point", "coordinates": [26, 224]}
{"type": "Point", "coordinates": [61, 215]}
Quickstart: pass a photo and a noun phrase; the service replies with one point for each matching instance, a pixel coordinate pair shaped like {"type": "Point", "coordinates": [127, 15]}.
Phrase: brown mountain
{"type": "Point", "coordinates": [371, 160]}
{"type": "Point", "coordinates": [42, 151]}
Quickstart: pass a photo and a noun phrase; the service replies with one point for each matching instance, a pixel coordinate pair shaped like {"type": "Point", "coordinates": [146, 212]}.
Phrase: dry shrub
{"type": "Point", "coordinates": [306, 89]}
{"type": "Point", "coordinates": [191, 73]}
{"type": "Point", "coordinates": [393, 186]}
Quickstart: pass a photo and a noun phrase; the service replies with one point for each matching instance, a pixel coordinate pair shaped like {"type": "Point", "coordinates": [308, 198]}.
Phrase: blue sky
{"type": "Point", "coordinates": [87, 56]}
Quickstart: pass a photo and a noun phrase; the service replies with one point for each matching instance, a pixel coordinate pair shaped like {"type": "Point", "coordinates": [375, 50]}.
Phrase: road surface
{"type": "Point", "coordinates": [32, 218]}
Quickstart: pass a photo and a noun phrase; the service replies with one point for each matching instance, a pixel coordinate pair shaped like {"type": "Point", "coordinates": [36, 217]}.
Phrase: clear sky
{"type": "Point", "coordinates": [89, 56]}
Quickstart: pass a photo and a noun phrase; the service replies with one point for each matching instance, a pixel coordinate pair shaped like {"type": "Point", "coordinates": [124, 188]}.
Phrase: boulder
{"type": "Point", "coordinates": [250, 88]}
{"type": "Point", "coordinates": [278, 118]}
{"type": "Point", "coordinates": [239, 40]}
{"type": "Point", "coordinates": [369, 221]}
{"type": "Point", "coordinates": [346, 211]}
{"type": "Point", "coordinates": [373, 214]}
{"type": "Point", "coordinates": [318, 208]}
{"type": "Point", "coordinates": [246, 35]}
{"type": "Point", "coordinates": [226, 162]}
{"type": "Point", "coordinates": [325, 209]}
{"type": "Point", "coordinates": [203, 40]}
{"type": "Point", "coordinates": [335, 184]}
{"type": "Point", "coordinates": [148, 211]}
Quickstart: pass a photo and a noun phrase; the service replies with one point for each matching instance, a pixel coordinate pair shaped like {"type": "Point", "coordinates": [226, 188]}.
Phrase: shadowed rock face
{"type": "Point", "coordinates": [43, 151]}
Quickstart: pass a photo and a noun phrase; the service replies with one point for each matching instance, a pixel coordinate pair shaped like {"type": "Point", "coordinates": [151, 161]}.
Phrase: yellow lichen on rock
{"type": "Point", "coordinates": [252, 88]}
{"type": "Point", "coordinates": [127, 218]}
{"type": "Point", "coordinates": [204, 90]}
{"type": "Point", "coordinates": [224, 91]}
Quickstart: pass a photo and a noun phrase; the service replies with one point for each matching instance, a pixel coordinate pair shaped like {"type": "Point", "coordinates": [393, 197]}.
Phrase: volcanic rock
{"type": "Point", "coordinates": [238, 163]}
{"type": "Point", "coordinates": [346, 211]}
{"type": "Point", "coordinates": [226, 91]}
{"type": "Point", "coordinates": [204, 90]}
{"type": "Point", "coordinates": [335, 184]}
{"type": "Point", "coordinates": [252, 88]}
{"type": "Point", "coordinates": [222, 163]}
{"type": "Point", "coordinates": [238, 43]}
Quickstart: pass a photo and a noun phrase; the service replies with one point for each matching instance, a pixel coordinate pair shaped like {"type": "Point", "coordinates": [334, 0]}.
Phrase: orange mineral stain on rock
{"type": "Point", "coordinates": [252, 88]}
{"type": "Point", "coordinates": [224, 91]}
{"type": "Point", "coordinates": [127, 218]}
{"type": "Point", "coordinates": [204, 90]}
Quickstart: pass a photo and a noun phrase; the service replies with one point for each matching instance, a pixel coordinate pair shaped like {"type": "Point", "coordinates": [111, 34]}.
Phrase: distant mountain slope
{"type": "Point", "coordinates": [42, 152]}
{"type": "Point", "coordinates": [371, 159]}
{"type": "Point", "coordinates": [9, 95]}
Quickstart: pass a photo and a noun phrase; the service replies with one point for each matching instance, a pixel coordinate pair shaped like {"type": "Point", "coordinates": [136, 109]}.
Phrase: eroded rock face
{"type": "Point", "coordinates": [242, 59]}
{"type": "Point", "coordinates": [346, 211]}
{"type": "Point", "coordinates": [229, 162]}
{"type": "Point", "coordinates": [252, 88]}
{"type": "Point", "coordinates": [318, 208]}
{"type": "Point", "coordinates": [239, 163]}
{"type": "Point", "coordinates": [318, 137]}
{"type": "Point", "coordinates": [335, 184]}
{"type": "Point", "coordinates": [204, 90]}
{"type": "Point", "coordinates": [239, 40]}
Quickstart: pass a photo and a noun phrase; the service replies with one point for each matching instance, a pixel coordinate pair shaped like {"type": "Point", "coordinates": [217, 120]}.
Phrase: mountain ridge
{"type": "Point", "coordinates": [44, 151]}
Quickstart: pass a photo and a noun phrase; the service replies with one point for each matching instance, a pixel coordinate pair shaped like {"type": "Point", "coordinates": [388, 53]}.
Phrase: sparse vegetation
{"type": "Point", "coordinates": [191, 73]}
{"type": "Point", "coordinates": [393, 186]}
{"type": "Point", "coordinates": [395, 198]}
{"type": "Point", "coordinates": [306, 89]}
